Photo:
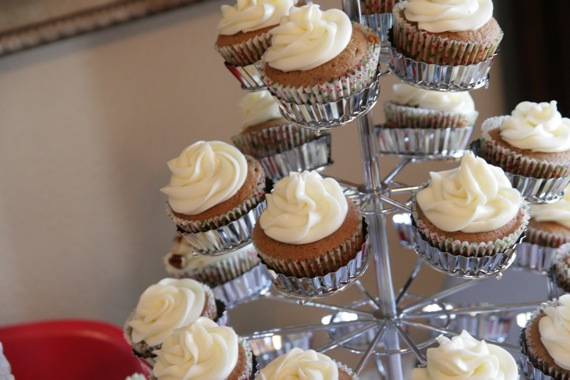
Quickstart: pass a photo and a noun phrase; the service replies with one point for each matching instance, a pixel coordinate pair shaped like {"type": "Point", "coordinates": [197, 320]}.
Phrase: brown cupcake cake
{"type": "Point", "coordinates": [309, 228]}
{"type": "Point", "coordinates": [243, 31]}
{"type": "Point", "coordinates": [550, 223]}
{"type": "Point", "coordinates": [448, 33]}
{"type": "Point", "coordinates": [343, 57]}
{"type": "Point", "coordinates": [377, 6]}
{"type": "Point", "coordinates": [546, 341]}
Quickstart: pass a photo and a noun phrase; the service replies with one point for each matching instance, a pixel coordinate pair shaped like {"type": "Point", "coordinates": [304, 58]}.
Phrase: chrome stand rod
{"type": "Point", "coordinates": [364, 291]}
{"type": "Point", "coordinates": [395, 203]}
{"type": "Point", "coordinates": [407, 189]}
{"type": "Point", "coordinates": [370, 350]}
{"type": "Point", "coordinates": [419, 355]}
{"type": "Point", "coordinates": [441, 295]}
{"type": "Point", "coordinates": [429, 327]}
{"type": "Point", "coordinates": [346, 338]}
{"type": "Point", "coordinates": [409, 281]}
{"type": "Point", "coordinates": [476, 310]}
{"type": "Point", "coordinates": [318, 305]}
{"type": "Point", "coordinates": [394, 173]}
{"type": "Point", "coordinates": [302, 329]}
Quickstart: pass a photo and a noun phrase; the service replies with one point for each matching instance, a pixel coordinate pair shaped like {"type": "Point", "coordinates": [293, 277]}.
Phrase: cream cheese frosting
{"type": "Point", "coordinates": [466, 358]}
{"type": "Point", "coordinates": [258, 107]}
{"type": "Point", "coordinates": [460, 102]}
{"type": "Point", "coordinates": [250, 15]}
{"type": "Point", "coordinates": [201, 351]}
{"type": "Point", "coordinates": [438, 16]}
{"type": "Point", "coordinates": [300, 365]}
{"type": "Point", "coordinates": [538, 127]}
{"type": "Point", "coordinates": [475, 197]}
{"type": "Point", "coordinates": [558, 212]}
{"type": "Point", "coordinates": [307, 38]}
{"type": "Point", "coordinates": [205, 174]}
{"type": "Point", "coordinates": [554, 330]}
{"type": "Point", "coordinates": [303, 208]}
{"type": "Point", "coordinates": [164, 307]}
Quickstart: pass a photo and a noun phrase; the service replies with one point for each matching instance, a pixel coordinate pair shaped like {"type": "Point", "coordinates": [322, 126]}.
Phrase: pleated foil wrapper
{"type": "Point", "coordinates": [248, 76]}
{"type": "Point", "coordinates": [534, 257]}
{"type": "Point", "coordinates": [405, 230]}
{"type": "Point", "coordinates": [322, 285]}
{"type": "Point", "coordinates": [435, 142]}
{"type": "Point", "coordinates": [247, 52]}
{"type": "Point", "coordinates": [315, 154]}
{"type": "Point", "coordinates": [268, 348]}
{"type": "Point", "coordinates": [440, 77]}
{"type": "Point", "coordinates": [274, 139]}
{"type": "Point", "coordinates": [242, 288]}
{"type": "Point", "coordinates": [381, 23]}
{"type": "Point", "coordinates": [226, 237]}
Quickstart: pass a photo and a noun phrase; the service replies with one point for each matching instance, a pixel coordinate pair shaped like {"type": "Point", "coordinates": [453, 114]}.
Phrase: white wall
{"type": "Point", "coordinates": [86, 126]}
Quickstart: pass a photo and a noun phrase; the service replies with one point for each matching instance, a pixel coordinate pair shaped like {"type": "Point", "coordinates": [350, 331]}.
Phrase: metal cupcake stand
{"type": "Point", "coordinates": [395, 323]}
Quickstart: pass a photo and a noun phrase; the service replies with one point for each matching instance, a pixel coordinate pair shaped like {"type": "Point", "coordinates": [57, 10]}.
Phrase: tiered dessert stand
{"type": "Point", "coordinates": [387, 324]}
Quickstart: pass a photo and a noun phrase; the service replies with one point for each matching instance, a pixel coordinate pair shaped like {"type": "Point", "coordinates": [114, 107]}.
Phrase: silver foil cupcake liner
{"type": "Point", "coordinates": [404, 229]}
{"type": "Point", "coordinates": [279, 137]}
{"type": "Point", "coordinates": [381, 23]}
{"type": "Point", "coordinates": [312, 155]}
{"type": "Point", "coordinates": [532, 373]}
{"type": "Point", "coordinates": [534, 257]}
{"type": "Point", "coordinates": [226, 237]}
{"type": "Point", "coordinates": [440, 77]}
{"type": "Point", "coordinates": [491, 327]}
{"type": "Point", "coordinates": [241, 288]}
{"type": "Point", "coordinates": [268, 348]}
{"type": "Point", "coordinates": [436, 142]}
{"type": "Point", "coordinates": [248, 76]}
{"type": "Point", "coordinates": [322, 285]}
{"type": "Point", "coordinates": [401, 116]}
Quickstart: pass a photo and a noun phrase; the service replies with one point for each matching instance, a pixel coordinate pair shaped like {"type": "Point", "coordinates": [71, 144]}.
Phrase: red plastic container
{"type": "Point", "coordinates": [69, 350]}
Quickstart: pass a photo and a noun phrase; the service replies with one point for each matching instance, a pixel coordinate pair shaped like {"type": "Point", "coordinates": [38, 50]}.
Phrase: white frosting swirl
{"type": "Point", "coordinates": [258, 107]}
{"type": "Point", "coordinates": [412, 96]}
{"type": "Point", "coordinates": [300, 365]}
{"type": "Point", "coordinates": [466, 358]}
{"type": "Point", "coordinates": [438, 16]}
{"type": "Point", "coordinates": [205, 175]}
{"type": "Point", "coordinates": [164, 307]}
{"type": "Point", "coordinates": [558, 212]}
{"type": "Point", "coordinates": [554, 330]}
{"type": "Point", "coordinates": [201, 351]}
{"type": "Point", "coordinates": [538, 127]}
{"type": "Point", "coordinates": [303, 208]}
{"type": "Point", "coordinates": [475, 197]}
{"type": "Point", "coordinates": [250, 15]}
{"type": "Point", "coordinates": [307, 38]}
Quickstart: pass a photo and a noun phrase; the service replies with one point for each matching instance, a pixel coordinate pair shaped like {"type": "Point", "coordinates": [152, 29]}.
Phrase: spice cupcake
{"type": "Point", "coordinates": [533, 145]}
{"type": "Point", "coordinates": [297, 363]}
{"type": "Point", "coordinates": [464, 357]}
{"type": "Point", "coordinates": [446, 32]}
{"type": "Point", "coordinates": [215, 195]}
{"type": "Point", "coordinates": [560, 270]}
{"type": "Point", "coordinates": [546, 341]}
{"type": "Point", "coordinates": [310, 234]}
{"type": "Point", "coordinates": [469, 219]}
{"type": "Point", "coordinates": [203, 350]}
{"type": "Point", "coordinates": [164, 307]}
{"type": "Point", "coordinates": [318, 57]}
{"type": "Point", "coordinates": [377, 6]}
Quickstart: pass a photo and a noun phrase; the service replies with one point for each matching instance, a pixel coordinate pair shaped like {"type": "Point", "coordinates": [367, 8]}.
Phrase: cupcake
{"type": "Point", "coordinates": [446, 32]}
{"type": "Point", "coordinates": [377, 6]}
{"type": "Point", "coordinates": [464, 357]}
{"type": "Point", "coordinates": [560, 270]}
{"type": "Point", "coordinates": [550, 223]}
{"type": "Point", "coordinates": [546, 341]}
{"type": "Point", "coordinates": [164, 307]}
{"type": "Point", "coordinates": [301, 364]}
{"type": "Point", "coordinates": [534, 143]}
{"type": "Point", "coordinates": [243, 31]}
{"type": "Point", "coordinates": [310, 230]}
{"type": "Point", "coordinates": [213, 271]}
{"type": "Point", "coordinates": [319, 56]}
{"type": "Point", "coordinates": [203, 350]}
{"type": "Point", "coordinates": [214, 195]}
{"type": "Point", "coordinates": [469, 212]}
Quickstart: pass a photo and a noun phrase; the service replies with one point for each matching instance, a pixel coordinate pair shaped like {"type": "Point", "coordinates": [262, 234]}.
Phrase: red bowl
{"type": "Point", "coordinates": [69, 350]}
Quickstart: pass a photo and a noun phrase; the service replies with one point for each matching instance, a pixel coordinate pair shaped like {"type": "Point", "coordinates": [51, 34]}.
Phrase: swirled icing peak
{"type": "Point", "coordinates": [164, 307]}
{"type": "Point", "coordinates": [466, 358]}
{"type": "Point", "coordinates": [205, 175]}
{"type": "Point", "coordinates": [201, 351]}
{"type": "Point", "coordinates": [412, 96]}
{"type": "Point", "coordinates": [307, 38]}
{"type": "Point", "coordinates": [538, 127]}
{"type": "Point", "coordinates": [258, 107]}
{"type": "Point", "coordinates": [558, 212]}
{"type": "Point", "coordinates": [250, 15]}
{"type": "Point", "coordinates": [303, 208]}
{"type": "Point", "coordinates": [300, 365]}
{"type": "Point", "coordinates": [475, 197]}
{"type": "Point", "coordinates": [438, 16]}
{"type": "Point", "coordinates": [554, 328]}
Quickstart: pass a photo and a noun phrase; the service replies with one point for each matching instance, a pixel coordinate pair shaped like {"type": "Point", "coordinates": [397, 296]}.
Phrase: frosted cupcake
{"type": "Point", "coordinates": [464, 357]}
{"type": "Point", "coordinates": [298, 364]}
{"type": "Point", "coordinates": [446, 32]}
{"type": "Point", "coordinates": [533, 142]}
{"type": "Point", "coordinates": [215, 194]}
{"type": "Point", "coordinates": [203, 350]}
{"type": "Point", "coordinates": [310, 230]}
{"type": "Point", "coordinates": [560, 270]}
{"type": "Point", "coordinates": [546, 341]}
{"type": "Point", "coordinates": [165, 307]}
{"type": "Point", "coordinates": [469, 212]}
{"type": "Point", "coordinates": [550, 223]}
